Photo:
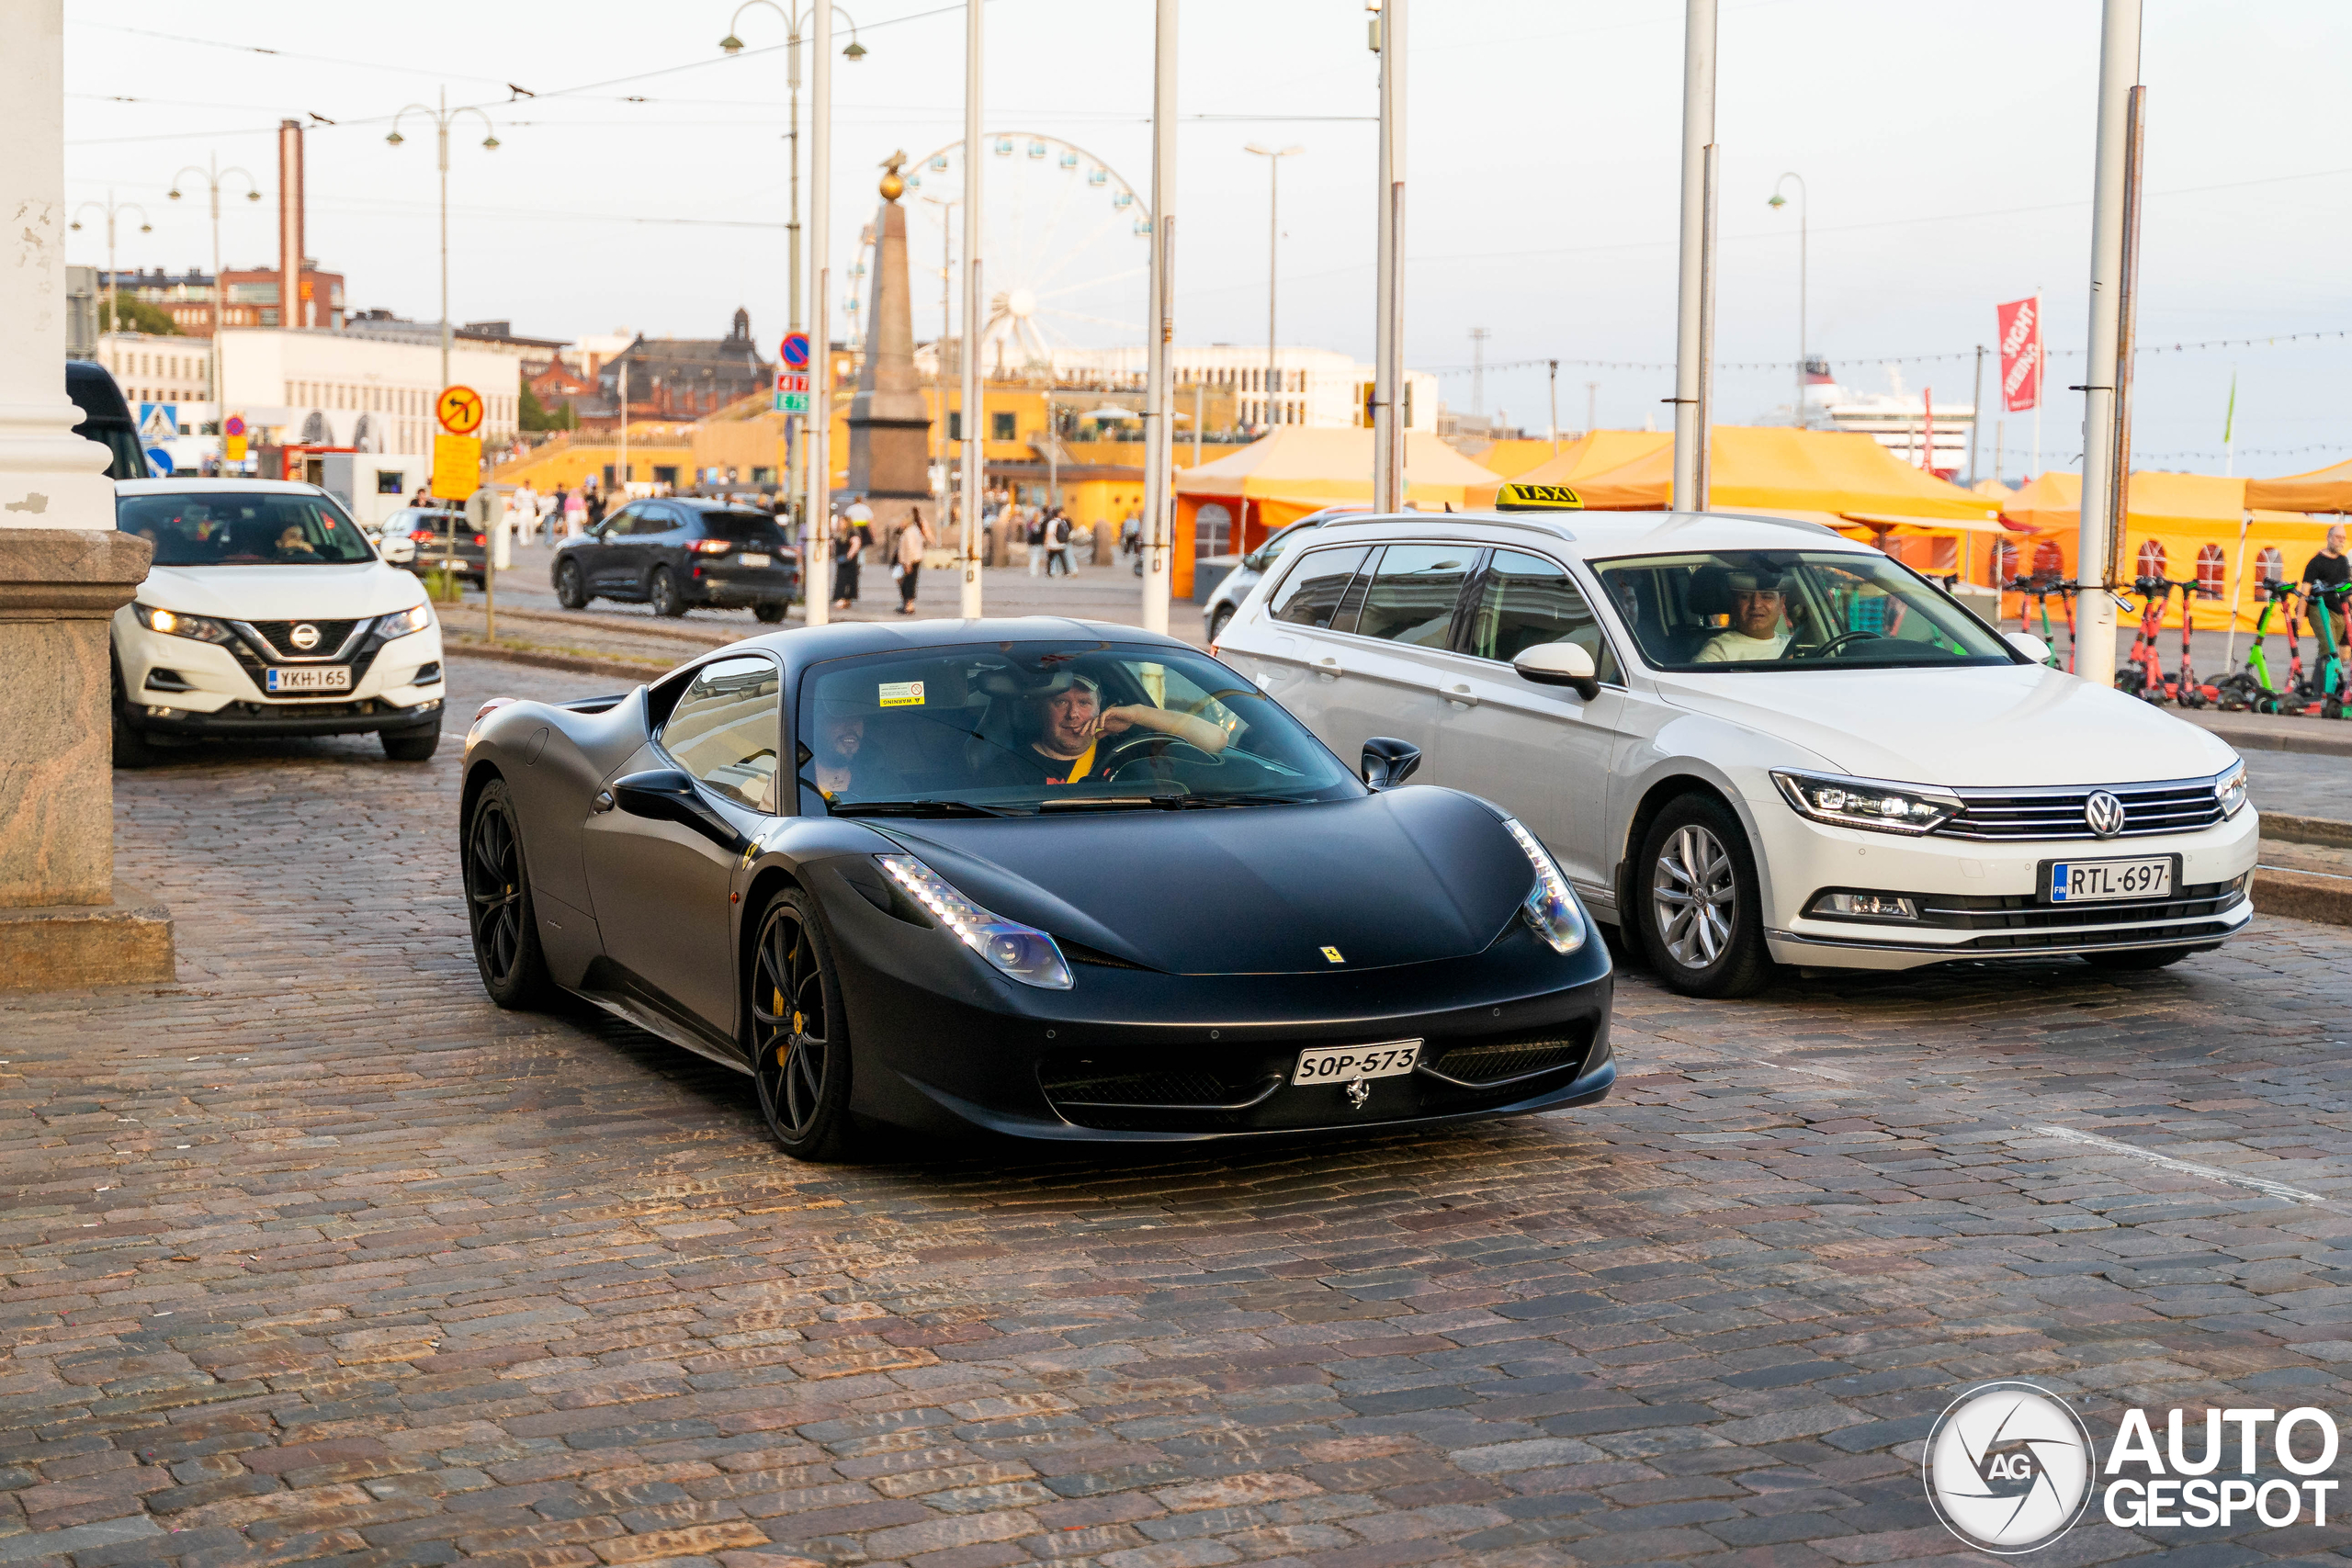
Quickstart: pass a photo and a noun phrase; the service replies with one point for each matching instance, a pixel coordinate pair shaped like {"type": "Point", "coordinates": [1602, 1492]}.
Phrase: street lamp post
{"type": "Point", "coordinates": [442, 119]}
{"type": "Point", "coordinates": [945, 502]}
{"type": "Point", "coordinates": [212, 173]}
{"type": "Point", "coordinates": [1389, 422]}
{"type": "Point", "coordinates": [812, 477]}
{"type": "Point", "coordinates": [968, 348]}
{"type": "Point", "coordinates": [111, 207]}
{"type": "Point", "coordinates": [1273, 156]}
{"type": "Point", "coordinates": [1805, 204]}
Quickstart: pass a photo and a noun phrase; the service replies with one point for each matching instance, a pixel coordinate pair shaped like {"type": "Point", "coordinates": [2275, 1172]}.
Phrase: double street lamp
{"type": "Point", "coordinates": [212, 173]}
{"type": "Point", "coordinates": [1273, 156]}
{"type": "Point", "coordinates": [111, 207]}
{"type": "Point", "coordinates": [443, 117]}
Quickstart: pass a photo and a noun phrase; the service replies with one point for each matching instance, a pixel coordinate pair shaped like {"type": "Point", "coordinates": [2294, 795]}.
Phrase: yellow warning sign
{"type": "Point", "coordinates": [1518, 497]}
{"type": "Point", "coordinates": [456, 467]}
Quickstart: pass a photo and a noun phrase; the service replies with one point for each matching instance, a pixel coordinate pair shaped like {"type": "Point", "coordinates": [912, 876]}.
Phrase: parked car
{"type": "Point", "coordinates": [1229, 594]}
{"type": "Point", "coordinates": [106, 418]}
{"type": "Point", "coordinates": [266, 614]}
{"type": "Point", "coordinates": [1753, 740]}
{"type": "Point", "coordinates": [893, 875]}
{"type": "Point", "coordinates": [676, 552]}
{"type": "Point", "coordinates": [421, 539]}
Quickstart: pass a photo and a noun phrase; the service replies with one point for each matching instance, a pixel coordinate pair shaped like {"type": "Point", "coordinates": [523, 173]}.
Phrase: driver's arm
{"type": "Point", "coordinates": [1188, 728]}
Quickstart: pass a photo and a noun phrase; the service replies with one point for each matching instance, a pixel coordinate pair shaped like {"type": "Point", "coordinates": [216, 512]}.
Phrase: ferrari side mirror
{"type": "Point", "coordinates": [663, 795]}
{"type": "Point", "coordinates": [1388, 762]}
{"type": "Point", "coordinates": [1558, 664]}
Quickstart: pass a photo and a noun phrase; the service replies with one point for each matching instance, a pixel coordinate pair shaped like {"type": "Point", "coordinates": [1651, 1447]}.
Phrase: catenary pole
{"type": "Point", "coordinates": [1691, 347]}
{"type": "Point", "coordinates": [2106, 391]}
{"type": "Point", "coordinates": [975, 413]}
{"type": "Point", "coordinates": [1975, 412]}
{"type": "Point", "coordinates": [817, 566]}
{"type": "Point", "coordinates": [1158, 450]}
{"type": "Point", "coordinates": [1388, 413]}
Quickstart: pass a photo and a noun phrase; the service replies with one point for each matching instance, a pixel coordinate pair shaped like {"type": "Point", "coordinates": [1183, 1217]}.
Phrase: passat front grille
{"type": "Point", "coordinates": [2178, 805]}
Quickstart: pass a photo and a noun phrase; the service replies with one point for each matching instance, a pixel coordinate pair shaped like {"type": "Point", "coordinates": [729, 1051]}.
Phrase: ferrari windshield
{"type": "Point", "coordinates": [1733, 610]}
{"type": "Point", "coordinates": [1032, 728]}
{"type": "Point", "coordinates": [230, 527]}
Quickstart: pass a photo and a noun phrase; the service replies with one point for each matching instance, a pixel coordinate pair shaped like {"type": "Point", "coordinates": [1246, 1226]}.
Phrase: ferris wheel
{"type": "Point", "coordinates": [1065, 244]}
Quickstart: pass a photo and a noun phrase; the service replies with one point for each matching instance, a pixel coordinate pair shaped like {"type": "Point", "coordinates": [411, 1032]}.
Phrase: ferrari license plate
{"type": "Point", "coordinates": [748, 559]}
{"type": "Point", "coordinates": [2096, 881]}
{"type": "Point", "coordinates": [1338, 1064]}
{"type": "Point", "coordinates": [308, 678]}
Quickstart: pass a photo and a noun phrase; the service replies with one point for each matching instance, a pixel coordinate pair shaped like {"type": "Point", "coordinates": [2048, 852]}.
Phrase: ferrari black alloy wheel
{"type": "Point", "coordinates": [498, 904]}
{"type": "Point", "coordinates": [799, 1046]}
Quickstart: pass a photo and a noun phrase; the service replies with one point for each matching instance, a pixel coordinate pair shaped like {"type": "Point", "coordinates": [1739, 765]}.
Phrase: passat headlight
{"type": "Point", "coordinates": [1024, 953]}
{"type": "Point", "coordinates": [402, 622]}
{"type": "Point", "coordinates": [1867, 802]}
{"type": "Point", "coordinates": [1551, 906]}
{"type": "Point", "coordinates": [170, 623]}
{"type": "Point", "coordinates": [2228, 789]}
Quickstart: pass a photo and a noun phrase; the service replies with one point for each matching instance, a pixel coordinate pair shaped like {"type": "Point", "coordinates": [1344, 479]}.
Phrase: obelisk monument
{"type": "Point", "coordinates": [889, 428]}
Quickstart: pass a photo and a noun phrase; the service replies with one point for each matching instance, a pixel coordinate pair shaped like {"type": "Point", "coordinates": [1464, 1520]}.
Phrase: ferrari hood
{"type": "Point", "coordinates": [1403, 877]}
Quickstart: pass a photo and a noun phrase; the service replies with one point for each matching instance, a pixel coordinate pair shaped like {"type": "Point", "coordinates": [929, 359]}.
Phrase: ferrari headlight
{"type": "Point", "coordinates": [1551, 906]}
{"type": "Point", "coordinates": [1024, 953]}
{"type": "Point", "coordinates": [170, 623]}
{"type": "Point", "coordinates": [2229, 788]}
{"type": "Point", "coordinates": [1867, 802]}
{"type": "Point", "coordinates": [402, 622]}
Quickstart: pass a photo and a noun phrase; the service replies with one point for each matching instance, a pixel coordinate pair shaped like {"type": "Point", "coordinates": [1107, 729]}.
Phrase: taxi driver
{"type": "Point", "coordinates": [1070, 723]}
{"type": "Point", "coordinates": [1759, 628]}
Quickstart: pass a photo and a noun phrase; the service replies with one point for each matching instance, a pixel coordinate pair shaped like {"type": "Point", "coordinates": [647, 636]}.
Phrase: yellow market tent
{"type": "Point", "coordinates": [2175, 524]}
{"type": "Point", "coordinates": [1844, 474]}
{"type": "Point", "coordinates": [2322, 489]}
{"type": "Point", "coordinates": [1514, 458]}
{"type": "Point", "coordinates": [1295, 470]}
{"type": "Point", "coordinates": [1594, 453]}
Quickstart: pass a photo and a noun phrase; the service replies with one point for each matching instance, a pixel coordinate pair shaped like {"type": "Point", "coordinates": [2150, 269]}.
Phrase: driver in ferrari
{"type": "Point", "coordinates": [1067, 727]}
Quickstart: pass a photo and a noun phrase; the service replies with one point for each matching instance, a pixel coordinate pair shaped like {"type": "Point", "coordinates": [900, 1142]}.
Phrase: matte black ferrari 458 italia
{"type": "Point", "coordinates": [1057, 879]}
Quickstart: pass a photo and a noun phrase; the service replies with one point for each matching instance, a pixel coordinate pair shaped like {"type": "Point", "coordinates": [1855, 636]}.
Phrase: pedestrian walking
{"type": "Point", "coordinates": [913, 539]}
{"type": "Point", "coordinates": [575, 515]}
{"type": "Point", "coordinates": [547, 506]}
{"type": "Point", "coordinates": [1036, 542]}
{"type": "Point", "coordinates": [1058, 543]}
{"type": "Point", "coordinates": [1131, 534]}
{"type": "Point", "coordinates": [849, 553]}
{"type": "Point", "coordinates": [597, 508]}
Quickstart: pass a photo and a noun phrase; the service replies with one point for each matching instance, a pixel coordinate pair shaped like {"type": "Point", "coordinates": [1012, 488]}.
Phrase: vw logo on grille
{"type": "Point", "coordinates": [306, 638]}
{"type": "Point", "coordinates": [2104, 813]}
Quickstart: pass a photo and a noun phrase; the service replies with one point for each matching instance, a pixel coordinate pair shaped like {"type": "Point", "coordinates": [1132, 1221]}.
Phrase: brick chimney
{"type": "Point", "coordinates": [289, 225]}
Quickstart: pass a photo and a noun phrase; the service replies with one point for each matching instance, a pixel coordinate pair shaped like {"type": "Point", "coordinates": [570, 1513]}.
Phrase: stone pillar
{"type": "Point", "coordinates": [889, 426]}
{"type": "Point", "coordinates": [63, 572]}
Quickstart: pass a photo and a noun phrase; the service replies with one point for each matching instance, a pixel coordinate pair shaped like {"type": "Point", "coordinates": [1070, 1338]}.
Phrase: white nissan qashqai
{"type": "Point", "coordinates": [1750, 739]}
{"type": "Point", "coordinates": [268, 613]}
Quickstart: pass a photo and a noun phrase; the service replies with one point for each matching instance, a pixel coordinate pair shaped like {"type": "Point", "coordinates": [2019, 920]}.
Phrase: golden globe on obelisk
{"type": "Point", "coordinates": [889, 427]}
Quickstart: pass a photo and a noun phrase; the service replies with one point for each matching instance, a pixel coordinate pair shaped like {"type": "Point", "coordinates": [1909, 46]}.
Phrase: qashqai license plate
{"type": "Point", "coordinates": [1339, 1064]}
{"type": "Point", "coordinates": [282, 679]}
{"type": "Point", "coordinates": [2099, 880]}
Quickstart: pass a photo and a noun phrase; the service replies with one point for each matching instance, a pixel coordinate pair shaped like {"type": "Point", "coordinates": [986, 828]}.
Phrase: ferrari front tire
{"type": "Point", "coordinates": [498, 904]}
{"type": "Point", "coordinates": [800, 1054]}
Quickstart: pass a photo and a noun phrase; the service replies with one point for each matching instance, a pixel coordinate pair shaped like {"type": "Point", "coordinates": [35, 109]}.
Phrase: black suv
{"type": "Point", "coordinates": [675, 554]}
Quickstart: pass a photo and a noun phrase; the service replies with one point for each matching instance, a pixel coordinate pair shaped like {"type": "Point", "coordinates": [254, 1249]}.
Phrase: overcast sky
{"type": "Point", "coordinates": [1947, 150]}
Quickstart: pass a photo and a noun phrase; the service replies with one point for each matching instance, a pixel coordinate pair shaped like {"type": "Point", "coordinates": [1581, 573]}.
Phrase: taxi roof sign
{"type": "Point", "coordinates": [1516, 497]}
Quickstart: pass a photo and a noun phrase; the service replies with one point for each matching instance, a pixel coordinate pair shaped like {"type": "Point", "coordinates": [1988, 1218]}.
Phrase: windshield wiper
{"type": "Point", "coordinates": [914, 808]}
{"type": "Point", "coordinates": [1113, 803]}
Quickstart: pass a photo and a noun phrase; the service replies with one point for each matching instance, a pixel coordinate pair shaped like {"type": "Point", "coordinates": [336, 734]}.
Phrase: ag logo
{"type": "Point", "coordinates": [2009, 1468]}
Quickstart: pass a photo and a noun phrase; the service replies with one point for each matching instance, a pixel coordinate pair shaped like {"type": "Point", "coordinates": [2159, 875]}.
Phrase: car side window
{"type": "Point", "coordinates": [1524, 601]}
{"type": "Point", "coordinates": [618, 525]}
{"type": "Point", "coordinates": [724, 730]}
{"type": "Point", "coordinates": [1310, 596]}
{"type": "Point", "coordinates": [1413, 593]}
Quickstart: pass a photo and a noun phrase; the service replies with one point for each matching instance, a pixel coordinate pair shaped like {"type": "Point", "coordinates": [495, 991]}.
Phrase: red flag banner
{"type": "Point", "coordinates": [2020, 328]}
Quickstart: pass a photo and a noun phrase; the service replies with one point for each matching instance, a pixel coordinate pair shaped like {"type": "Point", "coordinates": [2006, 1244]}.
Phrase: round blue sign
{"type": "Point", "coordinates": [796, 351]}
{"type": "Point", "coordinates": [160, 461]}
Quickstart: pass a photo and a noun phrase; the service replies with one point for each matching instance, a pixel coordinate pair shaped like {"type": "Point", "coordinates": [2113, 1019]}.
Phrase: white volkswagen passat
{"type": "Point", "coordinates": [1756, 741]}
{"type": "Point", "coordinates": [266, 612]}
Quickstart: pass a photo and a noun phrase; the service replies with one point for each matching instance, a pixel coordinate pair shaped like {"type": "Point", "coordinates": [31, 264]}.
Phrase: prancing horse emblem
{"type": "Point", "coordinates": [1359, 1092]}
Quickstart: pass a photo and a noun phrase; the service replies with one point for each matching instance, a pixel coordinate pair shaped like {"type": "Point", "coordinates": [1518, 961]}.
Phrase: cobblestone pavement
{"type": "Point", "coordinates": [316, 1257]}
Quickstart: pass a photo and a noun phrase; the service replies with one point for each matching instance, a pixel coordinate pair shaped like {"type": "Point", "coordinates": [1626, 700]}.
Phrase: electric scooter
{"type": "Point", "coordinates": [2142, 674]}
{"type": "Point", "coordinates": [2327, 602]}
{"type": "Point", "coordinates": [2186, 689]}
{"type": "Point", "coordinates": [2044, 589]}
{"type": "Point", "coordinates": [2254, 688]}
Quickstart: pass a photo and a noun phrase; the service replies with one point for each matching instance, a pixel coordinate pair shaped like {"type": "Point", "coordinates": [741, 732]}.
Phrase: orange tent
{"type": "Point", "coordinates": [2174, 525]}
{"type": "Point", "coordinates": [1594, 453]}
{"type": "Point", "coordinates": [1514, 458]}
{"type": "Point", "coordinates": [2322, 489]}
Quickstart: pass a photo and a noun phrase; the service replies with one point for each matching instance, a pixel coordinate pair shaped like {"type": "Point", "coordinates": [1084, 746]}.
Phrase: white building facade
{"type": "Point", "coordinates": [1318, 387]}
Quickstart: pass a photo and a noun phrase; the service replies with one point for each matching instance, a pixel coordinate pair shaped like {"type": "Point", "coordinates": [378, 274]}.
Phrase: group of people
{"type": "Point", "coordinates": [853, 540]}
{"type": "Point", "coordinates": [1049, 535]}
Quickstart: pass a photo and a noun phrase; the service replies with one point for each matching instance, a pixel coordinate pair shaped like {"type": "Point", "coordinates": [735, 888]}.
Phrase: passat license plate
{"type": "Point", "coordinates": [1338, 1064]}
{"type": "Point", "coordinates": [2096, 881]}
{"type": "Point", "coordinates": [308, 678]}
{"type": "Point", "coordinates": [753, 559]}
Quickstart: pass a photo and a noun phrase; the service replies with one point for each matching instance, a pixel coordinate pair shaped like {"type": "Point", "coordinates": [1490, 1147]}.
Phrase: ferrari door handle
{"type": "Point", "coordinates": [604, 801]}
{"type": "Point", "coordinates": [1461, 696]}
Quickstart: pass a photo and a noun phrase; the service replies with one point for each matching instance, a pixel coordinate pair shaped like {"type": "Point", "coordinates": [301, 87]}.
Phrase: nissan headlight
{"type": "Point", "coordinates": [1551, 906]}
{"type": "Point", "coordinates": [2229, 790]}
{"type": "Point", "coordinates": [400, 623]}
{"type": "Point", "coordinates": [170, 623]}
{"type": "Point", "coordinates": [1867, 802]}
{"type": "Point", "coordinates": [1022, 953]}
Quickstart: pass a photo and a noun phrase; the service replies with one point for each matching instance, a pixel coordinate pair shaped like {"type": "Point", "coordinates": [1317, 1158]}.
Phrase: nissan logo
{"type": "Point", "coordinates": [2104, 813]}
{"type": "Point", "coordinates": [306, 638]}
